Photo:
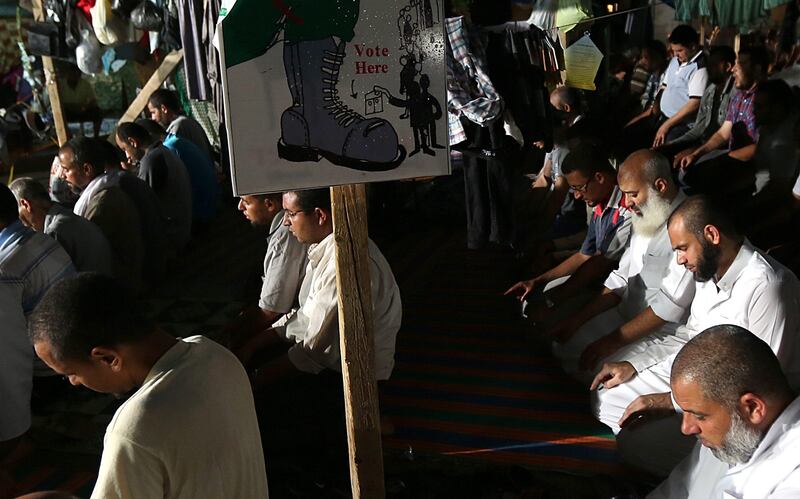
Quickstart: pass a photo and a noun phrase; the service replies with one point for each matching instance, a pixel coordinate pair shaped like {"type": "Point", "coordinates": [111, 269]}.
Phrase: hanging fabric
{"type": "Point", "coordinates": [470, 92]}
{"type": "Point", "coordinates": [190, 18]}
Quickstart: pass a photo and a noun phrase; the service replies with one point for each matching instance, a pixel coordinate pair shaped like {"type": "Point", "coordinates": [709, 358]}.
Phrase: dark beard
{"type": "Point", "coordinates": [709, 262]}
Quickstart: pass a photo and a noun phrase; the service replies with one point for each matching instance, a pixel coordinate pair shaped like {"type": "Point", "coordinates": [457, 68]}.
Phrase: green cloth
{"type": "Point", "coordinates": [251, 27]}
{"type": "Point", "coordinates": [726, 13]}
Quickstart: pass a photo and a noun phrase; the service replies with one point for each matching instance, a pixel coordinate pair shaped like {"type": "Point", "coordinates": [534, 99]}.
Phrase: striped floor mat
{"type": "Point", "coordinates": [470, 382]}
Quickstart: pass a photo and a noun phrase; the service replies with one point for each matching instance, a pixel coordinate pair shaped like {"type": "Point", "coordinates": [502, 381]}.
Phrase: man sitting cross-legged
{"type": "Point", "coordinates": [736, 284]}
{"type": "Point", "coordinates": [649, 292]}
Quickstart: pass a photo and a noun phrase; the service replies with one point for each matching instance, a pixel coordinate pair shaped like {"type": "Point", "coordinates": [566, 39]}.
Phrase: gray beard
{"type": "Point", "coordinates": [654, 213]}
{"type": "Point", "coordinates": [740, 443]}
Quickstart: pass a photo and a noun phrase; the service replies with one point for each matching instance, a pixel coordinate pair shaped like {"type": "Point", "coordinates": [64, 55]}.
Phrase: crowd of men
{"type": "Point", "coordinates": [671, 312]}
{"type": "Point", "coordinates": [77, 259]}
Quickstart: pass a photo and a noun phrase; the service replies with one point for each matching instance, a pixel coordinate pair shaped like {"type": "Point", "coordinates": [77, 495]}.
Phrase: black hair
{"type": "Point", "coordinates": [80, 313]}
{"type": "Point", "coordinates": [727, 361]}
{"type": "Point", "coordinates": [314, 198]}
{"type": "Point", "coordinates": [30, 189]}
{"type": "Point", "coordinates": [166, 98]}
{"type": "Point", "coordinates": [130, 130]}
{"type": "Point", "coordinates": [699, 211]}
{"type": "Point", "coordinates": [759, 56]}
{"type": "Point", "coordinates": [110, 154]}
{"type": "Point", "coordinates": [655, 48]}
{"type": "Point", "coordinates": [722, 53]}
{"type": "Point", "coordinates": [778, 92]}
{"type": "Point", "coordinates": [684, 35]}
{"type": "Point", "coordinates": [9, 208]}
{"type": "Point", "coordinates": [154, 129]}
{"type": "Point", "coordinates": [85, 150]}
{"type": "Point", "coordinates": [588, 157]}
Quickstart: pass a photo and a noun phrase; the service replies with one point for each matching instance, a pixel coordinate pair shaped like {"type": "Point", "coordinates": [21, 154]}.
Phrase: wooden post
{"type": "Point", "coordinates": [166, 68]}
{"type": "Point", "coordinates": [52, 84]}
{"type": "Point", "coordinates": [349, 206]}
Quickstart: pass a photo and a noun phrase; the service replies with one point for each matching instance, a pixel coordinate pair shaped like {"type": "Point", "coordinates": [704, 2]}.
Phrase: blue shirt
{"type": "Point", "coordinates": [202, 177]}
{"type": "Point", "coordinates": [682, 82]}
{"type": "Point", "coordinates": [609, 228]}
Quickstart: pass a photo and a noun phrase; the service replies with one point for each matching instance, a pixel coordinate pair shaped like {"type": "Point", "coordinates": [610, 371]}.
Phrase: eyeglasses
{"type": "Point", "coordinates": [292, 214]}
{"type": "Point", "coordinates": [582, 188]}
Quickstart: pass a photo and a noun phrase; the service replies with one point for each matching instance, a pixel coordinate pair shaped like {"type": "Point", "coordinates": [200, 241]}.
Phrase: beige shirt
{"type": "Point", "coordinates": [314, 327]}
{"type": "Point", "coordinates": [190, 431]}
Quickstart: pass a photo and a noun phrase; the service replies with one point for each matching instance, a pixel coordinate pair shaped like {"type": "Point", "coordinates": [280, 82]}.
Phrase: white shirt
{"type": "Point", "coordinates": [756, 293]}
{"type": "Point", "coordinates": [773, 472]}
{"type": "Point", "coordinates": [284, 268]}
{"type": "Point", "coordinates": [649, 276]}
{"type": "Point", "coordinates": [189, 431]}
{"type": "Point", "coordinates": [683, 81]}
{"type": "Point", "coordinates": [314, 327]}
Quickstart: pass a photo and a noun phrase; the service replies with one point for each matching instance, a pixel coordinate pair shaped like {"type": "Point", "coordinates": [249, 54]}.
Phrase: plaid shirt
{"type": "Point", "coordinates": [470, 92]}
{"type": "Point", "coordinates": [740, 113]}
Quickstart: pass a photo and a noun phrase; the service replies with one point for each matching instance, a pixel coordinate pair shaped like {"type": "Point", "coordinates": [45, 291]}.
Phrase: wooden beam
{"type": "Point", "coordinates": [52, 84]}
{"type": "Point", "coordinates": [349, 206]}
{"type": "Point", "coordinates": [166, 68]}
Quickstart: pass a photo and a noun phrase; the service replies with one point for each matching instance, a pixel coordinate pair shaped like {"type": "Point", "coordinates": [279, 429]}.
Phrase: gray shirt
{"type": "Point", "coordinates": [284, 268]}
{"type": "Point", "coordinates": [82, 240]}
{"type": "Point", "coordinates": [776, 155]}
{"type": "Point", "coordinates": [189, 129]}
{"type": "Point", "coordinates": [708, 121]}
{"type": "Point", "coordinates": [167, 175]}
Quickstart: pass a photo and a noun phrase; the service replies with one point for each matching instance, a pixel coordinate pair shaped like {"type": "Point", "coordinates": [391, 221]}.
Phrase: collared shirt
{"type": "Point", "coordinates": [772, 472]}
{"type": "Point", "coordinates": [683, 81]}
{"type": "Point", "coordinates": [649, 276]}
{"type": "Point", "coordinates": [609, 228]}
{"type": "Point", "coordinates": [314, 327]}
{"type": "Point", "coordinates": [33, 260]}
{"type": "Point", "coordinates": [85, 243]}
{"type": "Point", "coordinates": [284, 267]}
{"type": "Point", "coordinates": [756, 293]}
{"type": "Point", "coordinates": [740, 114]}
{"type": "Point", "coordinates": [189, 431]}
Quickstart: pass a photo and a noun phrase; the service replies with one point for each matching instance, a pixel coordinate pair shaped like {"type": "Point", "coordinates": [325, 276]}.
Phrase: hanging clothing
{"type": "Point", "coordinates": [470, 92]}
{"type": "Point", "coordinates": [544, 14]}
{"type": "Point", "coordinates": [190, 18]}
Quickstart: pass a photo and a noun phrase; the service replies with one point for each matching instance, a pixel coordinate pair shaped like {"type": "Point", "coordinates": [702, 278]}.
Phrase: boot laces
{"type": "Point", "coordinates": [335, 107]}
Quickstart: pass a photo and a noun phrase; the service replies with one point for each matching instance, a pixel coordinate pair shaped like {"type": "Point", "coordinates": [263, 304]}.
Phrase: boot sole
{"type": "Point", "coordinates": [302, 153]}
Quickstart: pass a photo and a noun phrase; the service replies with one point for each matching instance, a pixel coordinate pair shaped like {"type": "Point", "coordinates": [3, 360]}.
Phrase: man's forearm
{"type": "Point", "coordinates": [606, 300]}
{"type": "Point", "coordinates": [647, 322]}
{"type": "Point", "coordinates": [567, 267]}
{"type": "Point", "coordinates": [593, 270]}
{"type": "Point", "coordinates": [684, 112]}
{"type": "Point", "coordinates": [745, 153]}
{"type": "Point", "coordinates": [711, 144]}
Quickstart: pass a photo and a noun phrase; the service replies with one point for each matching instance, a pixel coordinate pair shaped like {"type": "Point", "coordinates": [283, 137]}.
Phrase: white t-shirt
{"type": "Point", "coordinates": [189, 431]}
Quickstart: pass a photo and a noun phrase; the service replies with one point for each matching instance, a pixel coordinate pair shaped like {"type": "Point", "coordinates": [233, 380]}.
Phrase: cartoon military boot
{"type": "Point", "coordinates": [319, 125]}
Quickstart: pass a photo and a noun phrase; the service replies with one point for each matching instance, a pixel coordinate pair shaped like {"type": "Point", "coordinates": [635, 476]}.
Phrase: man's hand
{"type": "Point", "coordinates": [655, 404]}
{"type": "Point", "coordinates": [599, 350]}
{"type": "Point", "coordinates": [688, 161]}
{"type": "Point", "coordinates": [613, 374]}
{"type": "Point", "coordinates": [676, 163]}
{"type": "Point", "coordinates": [539, 144]}
{"type": "Point", "coordinates": [524, 288]}
{"type": "Point", "coordinates": [661, 135]}
{"type": "Point", "coordinates": [563, 332]}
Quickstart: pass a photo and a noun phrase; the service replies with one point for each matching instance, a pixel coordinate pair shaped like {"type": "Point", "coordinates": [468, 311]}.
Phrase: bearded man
{"type": "Point", "coordinates": [649, 293]}
{"type": "Point", "coordinates": [738, 404]}
{"type": "Point", "coordinates": [736, 284]}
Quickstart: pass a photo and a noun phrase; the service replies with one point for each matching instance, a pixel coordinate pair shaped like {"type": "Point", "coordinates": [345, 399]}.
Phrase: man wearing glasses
{"type": "Point", "coordinates": [593, 180]}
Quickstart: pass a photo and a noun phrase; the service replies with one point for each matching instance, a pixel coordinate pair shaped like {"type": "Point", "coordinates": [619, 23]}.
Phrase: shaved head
{"type": "Point", "coordinates": [648, 166]}
{"type": "Point", "coordinates": [728, 361]}
{"type": "Point", "coordinates": [698, 212]}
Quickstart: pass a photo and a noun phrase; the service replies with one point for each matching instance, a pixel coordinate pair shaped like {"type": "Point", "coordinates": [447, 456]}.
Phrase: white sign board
{"type": "Point", "coordinates": [331, 92]}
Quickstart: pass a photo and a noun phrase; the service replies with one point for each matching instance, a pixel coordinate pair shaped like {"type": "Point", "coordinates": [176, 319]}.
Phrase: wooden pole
{"type": "Point", "coordinates": [349, 206]}
{"type": "Point", "coordinates": [166, 68]}
{"type": "Point", "coordinates": [52, 84]}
